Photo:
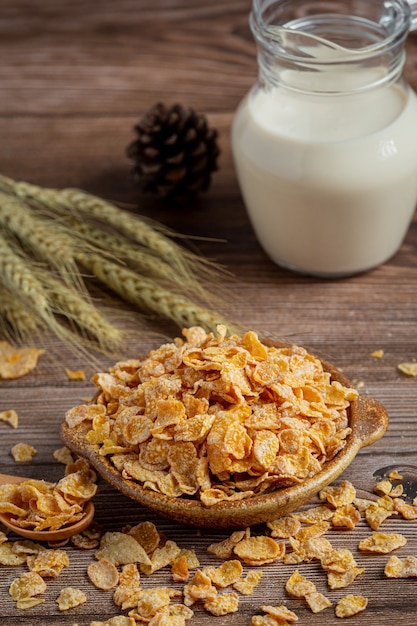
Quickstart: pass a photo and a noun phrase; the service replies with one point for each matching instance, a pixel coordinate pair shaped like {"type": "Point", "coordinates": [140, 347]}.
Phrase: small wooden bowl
{"type": "Point", "coordinates": [368, 420]}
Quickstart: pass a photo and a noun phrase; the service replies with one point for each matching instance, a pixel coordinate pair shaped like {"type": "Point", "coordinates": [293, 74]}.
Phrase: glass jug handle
{"type": "Point", "coordinates": [413, 7]}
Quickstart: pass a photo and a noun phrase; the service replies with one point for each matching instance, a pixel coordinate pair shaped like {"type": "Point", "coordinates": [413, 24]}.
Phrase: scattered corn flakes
{"type": "Point", "coordinates": [341, 568]}
{"type": "Point", "coordinates": [224, 549]}
{"type": "Point", "coordinates": [199, 588]}
{"type": "Point", "coordinates": [121, 549]}
{"type": "Point", "coordinates": [9, 557]}
{"type": "Point", "coordinates": [340, 495]}
{"type": "Point", "coordinates": [409, 369]}
{"type": "Point", "coordinates": [382, 543]}
{"type": "Point", "coordinates": [346, 516]}
{"type": "Point", "coordinates": [259, 550]}
{"type": "Point", "coordinates": [408, 511]}
{"type": "Point", "coordinates": [147, 535]}
{"type": "Point", "coordinates": [48, 563]}
{"type": "Point", "coordinates": [23, 452]}
{"type": "Point", "coordinates": [10, 417]}
{"type": "Point", "coordinates": [17, 362]}
{"type": "Point", "coordinates": [395, 475]}
{"type": "Point", "coordinates": [247, 585]}
{"type": "Point", "coordinates": [228, 573]}
{"type": "Point", "coordinates": [222, 604]}
{"type": "Point", "coordinates": [103, 574]}
{"type": "Point", "coordinates": [298, 586]}
{"type": "Point", "coordinates": [317, 601]}
{"type": "Point", "coordinates": [161, 557]}
{"type": "Point", "coordinates": [401, 568]}
{"type": "Point", "coordinates": [26, 586]}
{"type": "Point", "coordinates": [63, 455]}
{"type": "Point", "coordinates": [75, 374]}
{"type": "Point", "coordinates": [118, 620]}
{"type": "Point", "coordinates": [69, 598]}
{"type": "Point", "coordinates": [377, 354]}
{"type": "Point", "coordinates": [280, 613]}
{"type": "Point", "coordinates": [284, 527]}
{"type": "Point", "coordinates": [350, 605]}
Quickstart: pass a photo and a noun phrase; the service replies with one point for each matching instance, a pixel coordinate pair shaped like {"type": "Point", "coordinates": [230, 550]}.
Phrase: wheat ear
{"type": "Point", "coordinates": [83, 316]}
{"type": "Point", "coordinates": [145, 293]}
{"type": "Point", "coordinates": [20, 280]}
{"type": "Point", "coordinates": [48, 241]}
{"type": "Point", "coordinates": [125, 250]}
{"type": "Point", "coordinates": [15, 321]}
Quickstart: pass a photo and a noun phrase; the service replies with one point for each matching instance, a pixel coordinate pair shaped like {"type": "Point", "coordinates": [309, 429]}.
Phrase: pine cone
{"type": "Point", "coordinates": [175, 152]}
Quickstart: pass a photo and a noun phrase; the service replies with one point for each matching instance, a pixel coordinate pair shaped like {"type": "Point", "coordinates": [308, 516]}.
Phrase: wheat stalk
{"type": "Point", "coordinates": [69, 229]}
{"type": "Point", "coordinates": [143, 292]}
{"type": "Point", "coordinates": [125, 250]}
{"type": "Point", "coordinates": [48, 240]}
{"type": "Point", "coordinates": [82, 314]}
{"type": "Point", "coordinates": [144, 231]}
{"type": "Point", "coordinates": [21, 282]}
{"type": "Point", "coordinates": [16, 321]}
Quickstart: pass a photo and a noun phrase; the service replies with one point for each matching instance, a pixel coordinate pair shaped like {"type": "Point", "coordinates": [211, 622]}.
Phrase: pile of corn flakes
{"type": "Point", "coordinates": [217, 417]}
{"type": "Point", "coordinates": [38, 505]}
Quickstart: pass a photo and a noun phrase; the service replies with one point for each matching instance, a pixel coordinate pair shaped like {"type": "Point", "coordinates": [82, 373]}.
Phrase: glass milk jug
{"type": "Point", "coordinates": [325, 144]}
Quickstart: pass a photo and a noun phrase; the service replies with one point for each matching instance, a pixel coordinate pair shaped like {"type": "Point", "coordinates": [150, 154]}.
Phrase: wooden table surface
{"type": "Point", "coordinates": [74, 79]}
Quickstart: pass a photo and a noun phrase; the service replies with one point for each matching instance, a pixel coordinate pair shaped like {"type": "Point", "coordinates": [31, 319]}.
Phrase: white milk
{"type": "Point", "coordinates": [329, 182]}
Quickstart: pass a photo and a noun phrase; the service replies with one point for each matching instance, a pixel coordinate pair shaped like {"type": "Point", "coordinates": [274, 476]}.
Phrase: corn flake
{"type": "Point", "coordinates": [69, 598]}
{"type": "Point", "coordinates": [247, 585]}
{"type": "Point", "coordinates": [280, 613]}
{"type": "Point", "coordinates": [346, 516]}
{"type": "Point", "coordinates": [103, 574]}
{"type": "Point", "coordinates": [75, 374]}
{"type": "Point", "coordinates": [29, 584]}
{"type": "Point", "coordinates": [409, 369]}
{"type": "Point", "coordinates": [10, 417]}
{"type": "Point", "coordinates": [382, 543]}
{"type": "Point", "coordinates": [317, 601]}
{"type": "Point", "coordinates": [284, 527]}
{"type": "Point", "coordinates": [23, 452]}
{"type": "Point", "coordinates": [228, 573]}
{"type": "Point", "coordinates": [401, 568]}
{"type": "Point", "coordinates": [223, 604]}
{"type": "Point", "coordinates": [9, 557]}
{"type": "Point", "coordinates": [224, 549]}
{"type": "Point", "coordinates": [121, 549]}
{"type": "Point", "coordinates": [298, 586]}
{"type": "Point", "coordinates": [48, 563]}
{"type": "Point", "coordinates": [259, 550]}
{"type": "Point", "coordinates": [340, 495]}
{"type": "Point", "coordinates": [350, 605]}
{"type": "Point", "coordinates": [17, 362]}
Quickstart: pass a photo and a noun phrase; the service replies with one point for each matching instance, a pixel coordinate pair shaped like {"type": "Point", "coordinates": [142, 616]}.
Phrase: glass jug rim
{"type": "Point", "coordinates": [280, 38]}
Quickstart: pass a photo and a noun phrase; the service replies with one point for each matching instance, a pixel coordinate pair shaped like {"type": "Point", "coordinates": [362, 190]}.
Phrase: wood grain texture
{"type": "Point", "coordinates": [75, 76]}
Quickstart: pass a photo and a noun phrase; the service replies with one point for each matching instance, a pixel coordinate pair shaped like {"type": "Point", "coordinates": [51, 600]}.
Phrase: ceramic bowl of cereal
{"type": "Point", "coordinates": [223, 431]}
